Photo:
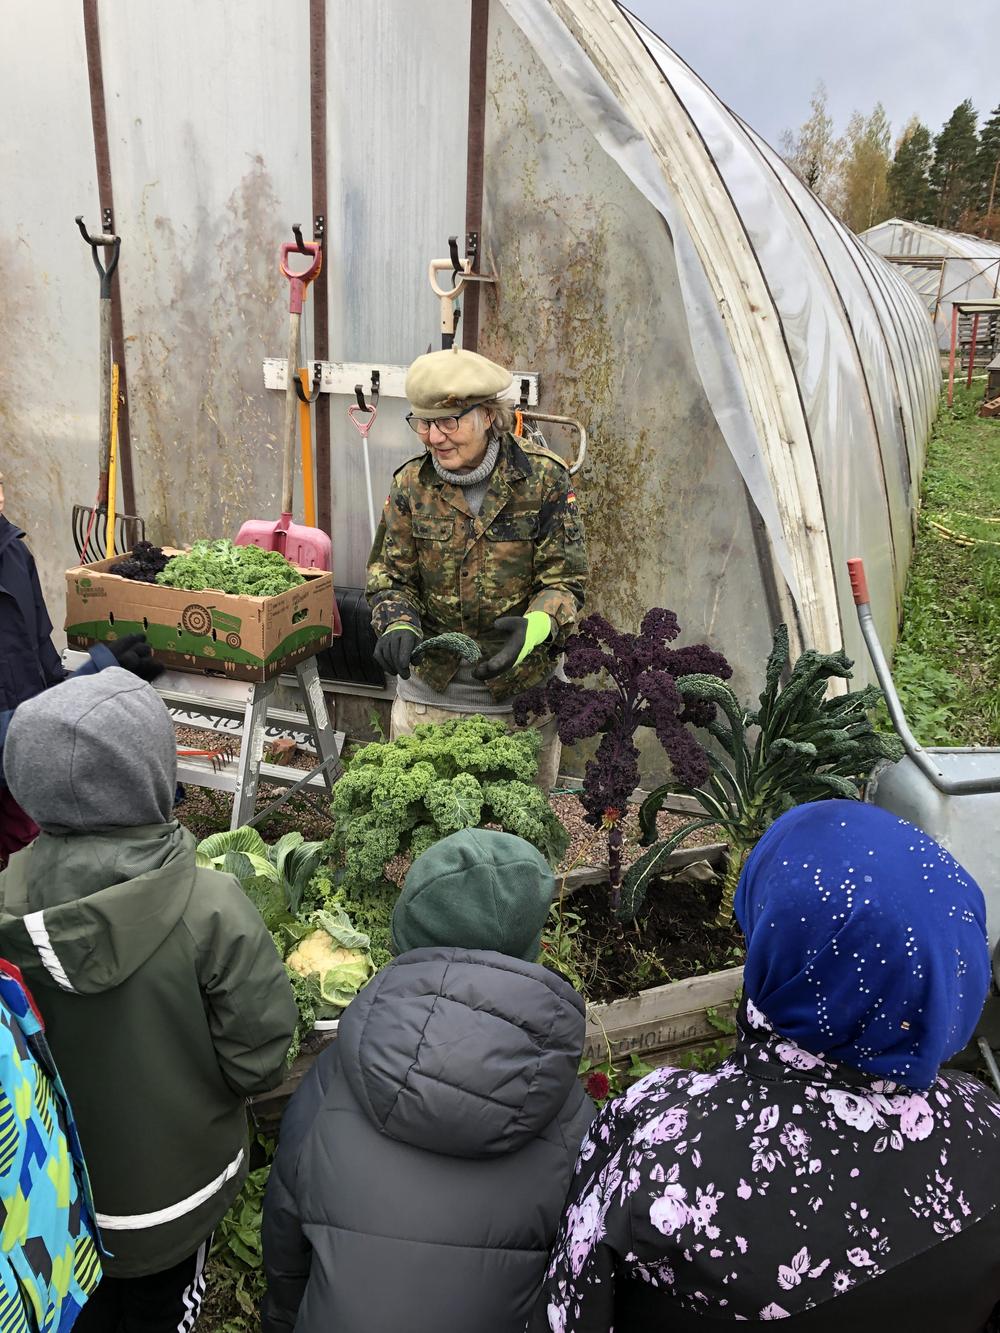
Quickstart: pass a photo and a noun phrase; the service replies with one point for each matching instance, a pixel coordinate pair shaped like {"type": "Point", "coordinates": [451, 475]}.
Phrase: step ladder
{"type": "Point", "coordinates": [217, 701]}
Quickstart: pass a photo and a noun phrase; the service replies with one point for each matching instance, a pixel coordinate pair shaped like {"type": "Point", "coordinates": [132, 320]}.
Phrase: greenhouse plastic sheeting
{"type": "Point", "coordinates": [847, 355]}
{"type": "Point", "coordinates": [48, 316]}
{"type": "Point", "coordinates": [969, 268]}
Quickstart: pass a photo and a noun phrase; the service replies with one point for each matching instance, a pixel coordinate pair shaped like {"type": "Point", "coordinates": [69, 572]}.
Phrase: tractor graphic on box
{"type": "Point", "coordinates": [204, 621]}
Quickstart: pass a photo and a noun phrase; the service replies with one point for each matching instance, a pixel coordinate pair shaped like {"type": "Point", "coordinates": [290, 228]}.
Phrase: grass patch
{"type": "Point", "coordinates": [947, 660]}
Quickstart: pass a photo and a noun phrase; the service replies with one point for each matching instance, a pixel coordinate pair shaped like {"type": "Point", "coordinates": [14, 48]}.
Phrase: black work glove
{"type": "Point", "coordinates": [394, 650]}
{"type": "Point", "coordinates": [524, 633]}
{"type": "Point", "coordinates": [134, 654]}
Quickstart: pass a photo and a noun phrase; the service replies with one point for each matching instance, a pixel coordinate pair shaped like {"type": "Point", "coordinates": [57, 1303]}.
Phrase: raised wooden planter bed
{"type": "Point", "coordinates": [656, 1025]}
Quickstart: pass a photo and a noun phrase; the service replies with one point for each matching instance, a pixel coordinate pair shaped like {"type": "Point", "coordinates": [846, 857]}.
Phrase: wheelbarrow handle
{"type": "Point", "coordinates": [299, 281]}
{"type": "Point", "coordinates": [112, 242]}
{"type": "Point", "coordinates": [920, 757]}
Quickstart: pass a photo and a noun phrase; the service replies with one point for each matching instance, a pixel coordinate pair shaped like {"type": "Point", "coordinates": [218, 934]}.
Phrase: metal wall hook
{"type": "Point", "coordinates": [317, 384]}
{"type": "Point", "coordinates": [107, 240]}
{"type": "Point", "coordinates": [359, 394]}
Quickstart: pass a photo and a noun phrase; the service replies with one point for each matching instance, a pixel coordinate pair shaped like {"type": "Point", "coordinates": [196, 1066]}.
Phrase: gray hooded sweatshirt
{"type": "Point", "coordinates": [165, 1001]}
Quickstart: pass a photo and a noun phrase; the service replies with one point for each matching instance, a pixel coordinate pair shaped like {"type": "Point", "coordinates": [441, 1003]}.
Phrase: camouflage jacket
{"type": "Point", "coordinates": [438, 567]}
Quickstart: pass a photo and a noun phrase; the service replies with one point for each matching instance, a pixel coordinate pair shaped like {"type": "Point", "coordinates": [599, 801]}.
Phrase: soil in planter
{"type": "Point", "coordinates": [673, 937]}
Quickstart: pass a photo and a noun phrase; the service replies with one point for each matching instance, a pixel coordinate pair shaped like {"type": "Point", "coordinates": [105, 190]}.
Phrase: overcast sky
{"type": "Point", "coordinates": [763, 58]}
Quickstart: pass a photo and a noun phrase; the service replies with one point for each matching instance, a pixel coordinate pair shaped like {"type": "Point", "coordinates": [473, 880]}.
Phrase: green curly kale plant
{"type": "Point", "coordinates": [797, 746]}
{"type": "Point", "coordinates": [405, 795]}
{"type": "Point", "coordinates": [221, 566]}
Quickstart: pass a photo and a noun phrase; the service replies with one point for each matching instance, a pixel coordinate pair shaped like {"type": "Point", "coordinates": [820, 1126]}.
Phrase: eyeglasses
{"type": "Point", "coordinates": [446, 425]}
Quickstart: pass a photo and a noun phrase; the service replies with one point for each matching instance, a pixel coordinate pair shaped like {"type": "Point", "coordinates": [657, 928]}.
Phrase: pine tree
{"type": "Point", "coordinates": [865, 170]}
{"type": "Point", "coordinates": [988, 173]}
{"type": "Point", "coordinates": [814, 153]}
{"type": "Point", "coordinates": [954, 171]}
{"type": "Point", "coordinates": [908, 177]}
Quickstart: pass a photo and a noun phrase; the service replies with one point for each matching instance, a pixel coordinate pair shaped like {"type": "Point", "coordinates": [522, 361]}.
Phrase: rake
{"type": "Point", "coordinates": [90, 522]}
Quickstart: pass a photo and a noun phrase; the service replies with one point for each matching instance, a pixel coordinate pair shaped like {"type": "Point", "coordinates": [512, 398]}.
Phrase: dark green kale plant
{"type": "Point", "coordinates": [798, 745]}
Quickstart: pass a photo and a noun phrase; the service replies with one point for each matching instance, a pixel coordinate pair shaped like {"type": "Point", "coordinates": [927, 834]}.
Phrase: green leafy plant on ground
{"type": "Point", "coordinates": [405, 795]}
{"type": "Point", "coordinates": [947, 661]}
{"type": "Point", "coordinates": [797, 746]}
{"type": "Point", "coordinates": [236, 1265]}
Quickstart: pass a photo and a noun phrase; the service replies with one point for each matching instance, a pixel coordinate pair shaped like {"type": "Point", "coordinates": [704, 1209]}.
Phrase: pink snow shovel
{"type": "Point", "coordinates": [309, 547]}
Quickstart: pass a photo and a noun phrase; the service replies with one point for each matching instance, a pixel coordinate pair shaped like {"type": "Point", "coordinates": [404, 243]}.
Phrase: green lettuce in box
{"type": "Point", "coordinates": [223, 566]}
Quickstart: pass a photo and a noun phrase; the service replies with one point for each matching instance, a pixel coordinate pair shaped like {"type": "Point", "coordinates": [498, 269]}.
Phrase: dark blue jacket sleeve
{"type": "Point", "coordinates": [287, 1252]}
{"type": "Point", "coordinates": [48, 658]}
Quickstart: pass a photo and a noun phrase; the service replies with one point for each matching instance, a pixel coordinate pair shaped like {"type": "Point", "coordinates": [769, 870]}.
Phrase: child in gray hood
{"type": "Point", "coordinates": [166, 1002]}
{"type": "Point", "coordinates": [423, 1163]}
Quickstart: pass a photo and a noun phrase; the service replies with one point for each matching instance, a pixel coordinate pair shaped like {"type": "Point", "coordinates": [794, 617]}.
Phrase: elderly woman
{"type": "Point", "coordinates": [827, 1174]}
{"type": "Point", "coordinates": [480, 535]}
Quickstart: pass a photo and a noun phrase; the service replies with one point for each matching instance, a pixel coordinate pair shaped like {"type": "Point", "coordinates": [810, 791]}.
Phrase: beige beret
{"type": "Point", "coordinates": [453, 379]}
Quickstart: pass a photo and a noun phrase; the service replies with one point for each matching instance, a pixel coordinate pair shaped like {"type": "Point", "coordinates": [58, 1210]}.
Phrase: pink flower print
{"type": "Point", "coordinates": [584, 1226]}
{"type": "Point", "coordinates": [670, 1212]}
{"type": "Point", "coordinates": [773, 1311]}
{"type": "Point", "coordinates": [916, 1119]}
{"type": "Point", "coordinates": [556, 1315]}
{"type": "Point", "coordinates": [743, 1190]}
{"type": "Point", "coordinates": [842, 1281]}
{"type": "Point", "coordinates": [796, 1140]}
{"type": "Point", "coordinates": [670, 1125]}
{"type": "Point", "coordinates": [704, 1208]}
{"type": "Point", "coordinates": [658, 1173]}
{"type": "Point", "coordinates": [768, 1119]}
{"type": "Point", "coordinates": [790, 1275]}
{"type": "Point", "coordinates": [859, 1258]}
{"type": "Point", "coordinates": [741, 1244]}
{"type": "Point", "coordinates": [702, 1083]}
{"type": "Point", "coordinates": [764, 1158]}
{"type": "Point", "coordinates": [794, 1056]}
{"type": "Point", "coordinates": [646, 1088]}
{"type": "Point", "coordinates": [755, 1018]}
{"type": "Point", "coordinates": [853, 1109]}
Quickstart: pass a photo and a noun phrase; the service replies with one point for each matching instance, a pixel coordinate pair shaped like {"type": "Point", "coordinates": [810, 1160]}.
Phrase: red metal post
{"type": "Point", "coordinates": [972, 351]}
{"type": "Point", "coordinates": [951, 358]}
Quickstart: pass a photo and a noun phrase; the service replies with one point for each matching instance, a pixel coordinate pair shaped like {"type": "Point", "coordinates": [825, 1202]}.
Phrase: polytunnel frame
{"type": "Point", "coordinates": [598, 69]}
{"type": "Point", "coordinates": [825, 263]}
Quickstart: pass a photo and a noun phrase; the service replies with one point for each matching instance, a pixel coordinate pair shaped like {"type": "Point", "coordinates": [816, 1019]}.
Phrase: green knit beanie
{"type": "Point", "coordinates": [478, 889]}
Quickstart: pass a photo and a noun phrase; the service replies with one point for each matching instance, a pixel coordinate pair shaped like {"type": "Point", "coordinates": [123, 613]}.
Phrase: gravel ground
{"type": "Point", "coordinates": [205, 811]}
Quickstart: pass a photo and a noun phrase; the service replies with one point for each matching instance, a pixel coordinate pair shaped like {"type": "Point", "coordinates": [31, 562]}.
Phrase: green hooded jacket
{"type": "Point", "coordinates": [167, 1006]}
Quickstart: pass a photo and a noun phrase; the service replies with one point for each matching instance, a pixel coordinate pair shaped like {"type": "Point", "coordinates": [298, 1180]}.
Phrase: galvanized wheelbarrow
{"type": "Point", "coordinates": [954, 795]}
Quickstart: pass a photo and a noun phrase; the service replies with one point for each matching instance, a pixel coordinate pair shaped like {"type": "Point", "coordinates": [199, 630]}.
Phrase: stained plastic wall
{"type": "Point", "coordinates": [604, 290]}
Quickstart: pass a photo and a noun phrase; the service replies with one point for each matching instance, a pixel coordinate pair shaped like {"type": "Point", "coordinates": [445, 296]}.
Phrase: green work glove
{"type": "Point", "coordinates": [394, 649]}
{"type": "Point", "coordinates": [523, 634]}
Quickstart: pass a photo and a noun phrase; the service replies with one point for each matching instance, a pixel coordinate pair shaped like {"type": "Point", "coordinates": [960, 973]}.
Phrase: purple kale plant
{"type": "Point", "coordinates": [636, 687]}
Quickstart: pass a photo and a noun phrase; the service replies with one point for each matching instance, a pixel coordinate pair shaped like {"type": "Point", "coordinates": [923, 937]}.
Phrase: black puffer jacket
{"type": "Point", "coordinates": [423, 1164]}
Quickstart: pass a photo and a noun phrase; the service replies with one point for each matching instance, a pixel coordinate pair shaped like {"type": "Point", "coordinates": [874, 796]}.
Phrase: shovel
{"type": "Point", "coordinates": [94, 536]}
{"type": "Point", "coordinates": [305, 546]}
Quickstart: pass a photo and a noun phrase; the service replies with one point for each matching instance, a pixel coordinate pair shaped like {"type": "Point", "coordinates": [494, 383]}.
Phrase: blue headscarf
{"type": "Point", "coordinates": [866, 940]}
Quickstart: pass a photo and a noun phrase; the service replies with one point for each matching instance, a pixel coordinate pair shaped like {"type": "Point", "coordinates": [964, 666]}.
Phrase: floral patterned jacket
{"type": "Point", "coordinates": [768, 1187]}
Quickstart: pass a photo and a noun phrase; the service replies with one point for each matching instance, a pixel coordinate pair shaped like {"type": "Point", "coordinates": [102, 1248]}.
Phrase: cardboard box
{"type": "Point", "coordinates": [243, 638]}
